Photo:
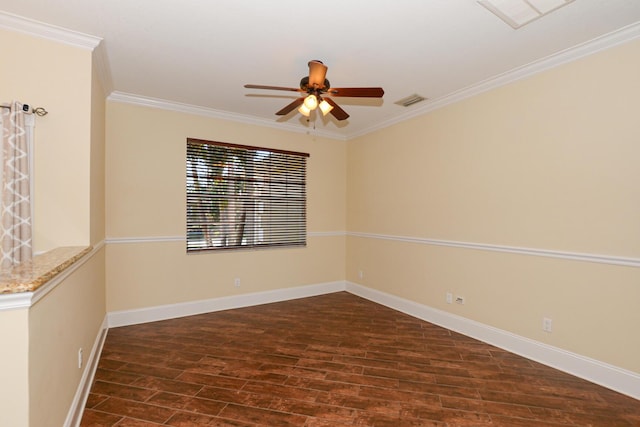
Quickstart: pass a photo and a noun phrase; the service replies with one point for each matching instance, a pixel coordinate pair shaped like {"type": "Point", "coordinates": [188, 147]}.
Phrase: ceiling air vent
{"type": "Point", "coordinates": [410, 100]}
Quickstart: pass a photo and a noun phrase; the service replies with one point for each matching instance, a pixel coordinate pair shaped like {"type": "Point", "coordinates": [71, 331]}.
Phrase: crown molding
{"type": "Point", "coordinates": [607, 41]}
{"type": "Point", "coordinates": [624, 35]}
{"type": "Point", "coordinates": [20, 24]}
{"type": "Point", "coordinates": [17, 23]}
{"type": "Point", "coordinates": [144, 101]}
{"type": "Point", "coordinates": [31, 27]}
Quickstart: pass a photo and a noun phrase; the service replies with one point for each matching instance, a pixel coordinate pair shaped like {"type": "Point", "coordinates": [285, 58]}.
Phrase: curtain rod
{"type": "Point", "coordinates": [38, 111]}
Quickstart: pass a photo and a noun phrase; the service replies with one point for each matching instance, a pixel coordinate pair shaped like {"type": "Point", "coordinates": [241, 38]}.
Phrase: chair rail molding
{"type": "Point", "coordinates": [574, 256]}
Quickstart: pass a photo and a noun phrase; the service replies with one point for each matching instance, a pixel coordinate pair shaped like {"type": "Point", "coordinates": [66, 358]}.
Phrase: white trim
{"type": "Point", "coordinates": [166, 239]}
{"type": "Point", "coordinates": [74, 415]}
{"type": "Point", "coordinates": [144, 101]}
{"type": "Point", "coordinates": [43, 290]}
{"type": "Point", "coordinates": [549, 253]}
{"type": "Point", "coordinates": [601, 373]}
{"type": "Point", "coordinates": [27, 299]}
{"type": "Point", "coordinates": [103, 69]}
{"type": "Point", "coordinates": [326, 233]}
{"type": "Point", "coordinates": [171, 311]}
{"type": "Point", "coordinates": [24, 25]}
{"type": "Point", "coordinates": [607, 41]}
{"type": "Point", "coordinates": [573, 256]}
{"type": "Point", "coordinates": [15, 301]}
{"type": "Point", "coordinates": [31, 27]}
{"type": "Point", "coordinates": [158, 239]}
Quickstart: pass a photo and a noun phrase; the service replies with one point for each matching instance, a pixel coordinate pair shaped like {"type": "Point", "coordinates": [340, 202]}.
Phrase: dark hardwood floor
{"type": "Point", "coordinates": [329, 361]}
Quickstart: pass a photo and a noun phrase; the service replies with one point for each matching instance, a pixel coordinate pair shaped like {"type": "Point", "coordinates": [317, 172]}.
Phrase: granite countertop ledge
{"type": "Point", "coordinates": [29, 276]}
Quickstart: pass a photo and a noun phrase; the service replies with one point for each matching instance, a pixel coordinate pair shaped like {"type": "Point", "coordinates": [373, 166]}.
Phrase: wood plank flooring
{"type": "Point", "coordinates": [329, 361]}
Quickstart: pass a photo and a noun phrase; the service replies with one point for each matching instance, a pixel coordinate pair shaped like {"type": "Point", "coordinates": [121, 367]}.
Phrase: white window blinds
{"type": "Point", "coordinates": [244, 197]}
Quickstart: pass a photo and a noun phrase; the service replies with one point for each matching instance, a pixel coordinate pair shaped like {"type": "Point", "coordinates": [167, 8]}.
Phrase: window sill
{"type": "Point", "coordinates": [30, 276]}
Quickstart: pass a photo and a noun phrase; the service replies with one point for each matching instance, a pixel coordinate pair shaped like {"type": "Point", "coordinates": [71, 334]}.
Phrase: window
{"type": "Point", "coordinates": [244, 197]}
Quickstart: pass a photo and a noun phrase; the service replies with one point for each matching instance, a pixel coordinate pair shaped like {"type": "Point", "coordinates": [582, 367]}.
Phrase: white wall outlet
{"type": "Point", "coordinates": [459, 299]}
{"type": "Point", "coordinates": [547, 324]}
{"type": "Point", "coordinates": [80, 358]}
{"type": "Point", "coordinates": [236, 282]}
{"type": "Point", "coordinates": [449, 297]}
{"type": "Point", "coordinates": [360, 274]}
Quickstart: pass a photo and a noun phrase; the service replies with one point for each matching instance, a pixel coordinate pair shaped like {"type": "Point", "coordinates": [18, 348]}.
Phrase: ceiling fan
{"type": "Point", "coordinates": [318, 91]}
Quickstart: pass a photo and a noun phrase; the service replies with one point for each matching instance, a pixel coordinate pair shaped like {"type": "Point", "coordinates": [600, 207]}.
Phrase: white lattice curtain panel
{"type": "Point", "coordinates": [15, 224]}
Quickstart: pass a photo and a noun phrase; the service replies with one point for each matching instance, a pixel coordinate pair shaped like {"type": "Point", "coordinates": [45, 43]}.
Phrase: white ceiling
{"type": "Point", "coordinates": [200, 53]}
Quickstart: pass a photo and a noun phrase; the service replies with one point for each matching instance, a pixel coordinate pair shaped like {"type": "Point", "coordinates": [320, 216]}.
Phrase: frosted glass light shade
{"type": "Point", "coordinates": [304, 110]}
{"type": "Point", "coordinates": [311, 102]}
{"type": "Point", "coordinates": [325, 107]}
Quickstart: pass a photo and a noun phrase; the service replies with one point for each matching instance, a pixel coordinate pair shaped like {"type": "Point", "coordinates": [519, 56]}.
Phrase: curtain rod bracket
{"type": "Point", "coordinates": [39, 111]}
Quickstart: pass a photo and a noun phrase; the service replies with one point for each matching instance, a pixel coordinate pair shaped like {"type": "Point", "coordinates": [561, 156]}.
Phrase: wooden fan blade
{"type": "Point", "coordinates": [357, 92]}
{"type": "Point", "coordinates": [337, 112]}
{"type": "Point", "coordinates": [273, 88]}
{"type": "Point", "coordinates": [317, 74]}
{"type": "Point", "coordinates": [289, 108]}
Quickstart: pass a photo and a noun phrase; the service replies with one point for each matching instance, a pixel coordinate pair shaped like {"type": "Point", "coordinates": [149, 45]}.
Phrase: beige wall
{"type": "Point", "coordinates": [57, 77]}
{"type": "Point", "coordinates": [549, 163]}
{"type": "Point", "coordinates": [14, 368]}
{"type": "Point", "coordinates": [67, 319]}
{"type": "Point", "coordinates": [39, 374]}
{"type": "Point", "coordinates": [96, 159]}
{"type": "Point", "coordinates": [145, 161]}
{"type": "Point", "coordinates": [546, 163]}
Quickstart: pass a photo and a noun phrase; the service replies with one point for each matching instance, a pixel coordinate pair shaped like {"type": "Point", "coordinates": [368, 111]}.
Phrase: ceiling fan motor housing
{"type": "Point", "coordinates": [304, 85]}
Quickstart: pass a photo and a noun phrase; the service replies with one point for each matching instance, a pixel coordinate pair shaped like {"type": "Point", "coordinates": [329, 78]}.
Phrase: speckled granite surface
{"type": "Point", "coordinates": [29, 276]}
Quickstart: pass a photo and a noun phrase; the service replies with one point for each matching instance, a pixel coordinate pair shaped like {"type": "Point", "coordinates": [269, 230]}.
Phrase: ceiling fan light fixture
{"type": "Point", "coordinates": [313, 86]}
{"type": "Point", "coordinates": [325, 107]}
{"type": "Point", "coordinates": [304, 110]}
{"type": "Point", "coordinates": [311, 102]}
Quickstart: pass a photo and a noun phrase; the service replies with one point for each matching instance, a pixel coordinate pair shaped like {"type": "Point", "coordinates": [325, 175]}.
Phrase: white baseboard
{"type": "Point", "coordinates": [612, 377]}
{"type": "Point", "coordinates": [609, 376]}
{"type": "Point", "coordinates": [153, 314]}
{"type": "Point", "coordinates": [74, 416]}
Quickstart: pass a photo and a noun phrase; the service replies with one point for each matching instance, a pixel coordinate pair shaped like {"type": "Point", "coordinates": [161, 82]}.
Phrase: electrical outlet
{"type": "Point", "coordinates": [360, 274]}
{"type": "Point", "coordinates": [236, 282]}
{"type": "Point", "coordinates": [449, 297]}
{"type": "Point", "coordinates": [547, 324]}
{"type": "Point", "coordinates": [80, 358]}
{"type": "Point", "coordinates": [459, 299]}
